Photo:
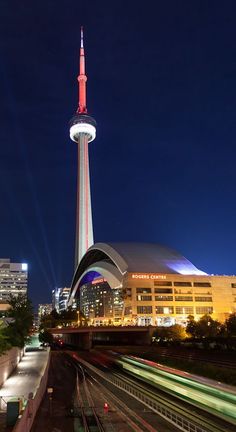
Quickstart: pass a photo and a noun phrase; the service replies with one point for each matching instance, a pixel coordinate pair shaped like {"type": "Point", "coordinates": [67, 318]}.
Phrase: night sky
{"type": "Point", "coordinates": [162, 87]}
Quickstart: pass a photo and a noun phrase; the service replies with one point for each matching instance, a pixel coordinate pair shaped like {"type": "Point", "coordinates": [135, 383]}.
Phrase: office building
{"type": "Point", "coordinates": [60, 298]}
{"type": "Point", "coordinates": [13, 279]}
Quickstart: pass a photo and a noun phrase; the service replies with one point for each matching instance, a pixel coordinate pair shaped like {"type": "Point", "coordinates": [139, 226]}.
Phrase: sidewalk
{"type": "Point", "coordinates": [24, 380]}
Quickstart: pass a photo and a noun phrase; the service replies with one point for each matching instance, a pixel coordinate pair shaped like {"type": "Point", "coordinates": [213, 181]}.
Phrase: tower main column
{"type": "Point", "coordinates": [83, 131]}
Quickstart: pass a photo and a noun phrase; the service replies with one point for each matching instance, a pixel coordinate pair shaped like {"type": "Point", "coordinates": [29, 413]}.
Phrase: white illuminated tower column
{"type": "Point", "coordinates": [83, 131]}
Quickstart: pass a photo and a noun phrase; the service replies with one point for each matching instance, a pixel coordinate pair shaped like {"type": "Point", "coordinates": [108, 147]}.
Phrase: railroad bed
{"type": "Point", "coordinates": [84, 408]}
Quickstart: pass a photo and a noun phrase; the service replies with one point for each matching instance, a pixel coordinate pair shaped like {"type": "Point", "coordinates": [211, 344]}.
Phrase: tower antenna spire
{"type": "Point", "coordinates": [81, 37]}
{"type": "Point", "coordinates": [82, 108]}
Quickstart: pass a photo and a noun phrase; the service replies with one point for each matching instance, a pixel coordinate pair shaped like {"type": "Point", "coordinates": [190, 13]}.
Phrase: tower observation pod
{"type": "Point", "coordinates": [83, 131]}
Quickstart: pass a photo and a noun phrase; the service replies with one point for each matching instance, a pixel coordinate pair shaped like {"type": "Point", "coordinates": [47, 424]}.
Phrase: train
{"type": "Point", "coordinates": [213, 397]}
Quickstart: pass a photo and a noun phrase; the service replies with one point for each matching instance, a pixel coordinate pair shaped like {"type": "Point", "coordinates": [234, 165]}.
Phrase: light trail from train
{"type": "Point", "coordinates": [216, 399]}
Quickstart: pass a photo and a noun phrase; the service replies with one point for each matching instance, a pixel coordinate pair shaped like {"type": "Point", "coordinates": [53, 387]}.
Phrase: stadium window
{"type": "Point", "coordinates": [164, 310]}
{"type": "Point", "coordinates": [202, 284]}
{"type": "Point", "coordinates": [203, 299]}
{"type": "Point", "coordinates": [181, 310]}
{"type": "Point", "coordinates": [163, 290]}
{"type": "Point", "coordinates": [162, 283]}
{"type": "Point", "coordinates": [163, 298]}
{"type": "Point", "coordinates": [183, 284]}
{"type": "Point", "coordinates": [204, 310]}
{"type": "Point", "coordinates": [183, 298]}
{"type": "Point", "coordinates": [144, 309]}
{"type": "Point", "coordinates": [143, 290]}
{"type": "Point", "coordinates": [144, 297]}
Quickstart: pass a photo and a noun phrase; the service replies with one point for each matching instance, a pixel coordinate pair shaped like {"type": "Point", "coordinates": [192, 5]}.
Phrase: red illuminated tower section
{"type": "Point", "coordinates": [83, 131]}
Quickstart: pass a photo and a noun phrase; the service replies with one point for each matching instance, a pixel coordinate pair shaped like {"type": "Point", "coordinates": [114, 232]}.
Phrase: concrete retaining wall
{"type": "Point", "coordinates": [8, 363]}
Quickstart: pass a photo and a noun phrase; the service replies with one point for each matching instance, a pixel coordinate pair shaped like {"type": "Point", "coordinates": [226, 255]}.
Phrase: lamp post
{"type": "Point", "coordinates": [50, 392]}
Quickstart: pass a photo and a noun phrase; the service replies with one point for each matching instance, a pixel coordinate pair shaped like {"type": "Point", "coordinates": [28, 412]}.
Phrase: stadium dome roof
{"type": "Point", "coordinates": [113, 260]}
{"type": "Point", "coordinates": [146, 258]}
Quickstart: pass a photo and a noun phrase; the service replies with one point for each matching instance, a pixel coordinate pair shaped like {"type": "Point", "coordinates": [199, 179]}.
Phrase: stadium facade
{"type": "Point", "coordinates": [147, 284]}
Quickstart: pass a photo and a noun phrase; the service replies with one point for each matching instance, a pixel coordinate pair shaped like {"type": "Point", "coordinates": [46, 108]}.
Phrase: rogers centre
{"type": "Point", "coordinates": [147, 276]}
{"type": "Point", "coordinates": [147, 284]}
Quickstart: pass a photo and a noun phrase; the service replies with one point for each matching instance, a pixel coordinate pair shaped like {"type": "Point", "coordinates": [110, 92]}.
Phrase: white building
{"type": "Point", "coordinates": [13, 279]}
{"type": "Point", "coordinates": [60, 298]}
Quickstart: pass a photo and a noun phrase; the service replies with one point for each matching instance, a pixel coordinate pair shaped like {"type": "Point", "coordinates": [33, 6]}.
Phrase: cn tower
{"type": "Point", "coordinates": [83, 131]}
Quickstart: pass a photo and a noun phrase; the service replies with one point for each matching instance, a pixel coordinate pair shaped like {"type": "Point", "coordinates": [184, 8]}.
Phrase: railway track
{"type": "Point", "coordinates": [133, 421]}
{"type": "Point", "coordinates": [205, 422]}
{"type": "Point", "coordinates": [197, 358]}
{"type": "Point", "coordinates": [175, 411]}
{"type": "Point", "coordinates": [85, 411]}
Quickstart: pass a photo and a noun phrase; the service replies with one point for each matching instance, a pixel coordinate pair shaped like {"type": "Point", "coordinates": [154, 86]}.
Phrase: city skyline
{"type": "Point", "coordinates": [162, 89]}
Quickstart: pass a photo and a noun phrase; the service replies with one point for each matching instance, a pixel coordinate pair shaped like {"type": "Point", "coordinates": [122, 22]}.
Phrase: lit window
{"type": "Point", "coordinates": [183, 298]}
{"type": "Point", "coordinates": [162, 283]}
{"type": "Point", "coordinates": [144, 309]}
{"type": "Point", "coordinates": [182, 284]}
{"type": "Point", "coordinates": [204, 310]}
{"type": "Point", "coordinates": [143, 290]}
{"type": "Point", "coordinates": [184, 310]}
{"type": "Point", "coordinates": [164, 310]}
{"type": "Point", "coordinates": [203, 299]}
{"type": "Point", "coordinates": [144, 297]}
{"type": "Point", "coordinates": [163, 298]}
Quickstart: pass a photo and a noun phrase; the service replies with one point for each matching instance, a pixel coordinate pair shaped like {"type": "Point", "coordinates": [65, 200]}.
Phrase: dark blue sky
{"type": "Point", "coordinates": [162, 87]}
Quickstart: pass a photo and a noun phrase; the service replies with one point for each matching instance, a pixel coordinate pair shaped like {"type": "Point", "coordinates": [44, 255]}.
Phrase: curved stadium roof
{"type": "Point", "coordinates": [139, 258]}
{"type": "Point", "coordinates": [113, 260]}
{"type": "Point", "coordinates": [149, 258]}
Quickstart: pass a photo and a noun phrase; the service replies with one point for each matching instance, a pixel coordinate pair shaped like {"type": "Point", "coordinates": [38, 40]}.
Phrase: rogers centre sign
{"type": "Point", "coordinates": [96, 281]}
{"type": "Point", "coordinates": [148, 276]}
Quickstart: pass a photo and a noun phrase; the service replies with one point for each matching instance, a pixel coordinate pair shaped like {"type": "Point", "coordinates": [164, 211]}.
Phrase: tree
{"type": "Point", "coordinates": [207, 327]}
{"type": "Point", "coordinates": [55, 319]}
{"type": "Point", "coordinates": [4, 339]}
{"type": "Point", "coordinates": [172, 333]}
{"type": "Point", "coordinates": [21, 312]}
{"type": "Point", "coordinates": [67, 317]}
{"type": "Point", "coordinates": [46, 337]}
{"type": "Point", "coordinates": [231, 325]}
{"type": "Point", "coordinates": [54, 314]}
{"type": "Point", "coordinates": [49, 320]}
{"type": "Point", "coordinates": [82, 320]}
{"type": "Point", "coordinates": [177, 332]}
{"type": "Point", "coordinates": [191, 327]}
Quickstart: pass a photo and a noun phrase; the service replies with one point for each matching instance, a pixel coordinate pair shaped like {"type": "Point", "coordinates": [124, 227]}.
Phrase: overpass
{"type": "Point", "coordinates": [88, 336]}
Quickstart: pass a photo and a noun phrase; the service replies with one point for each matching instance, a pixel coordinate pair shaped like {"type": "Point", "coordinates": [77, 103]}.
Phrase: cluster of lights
{"type": "Point", "coordinates": [82, 128]}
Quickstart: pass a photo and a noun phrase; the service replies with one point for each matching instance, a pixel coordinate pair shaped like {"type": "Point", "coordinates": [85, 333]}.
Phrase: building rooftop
{"type": "Point", "coordinates": [139, 257]}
